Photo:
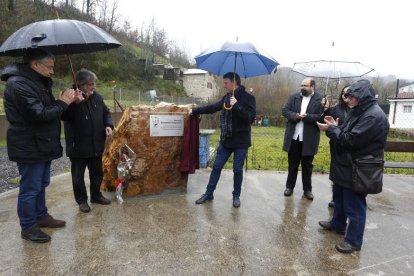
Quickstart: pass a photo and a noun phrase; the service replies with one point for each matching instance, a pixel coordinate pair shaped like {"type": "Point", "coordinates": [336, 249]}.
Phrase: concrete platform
{"type": "Point", "coordinates": [170, 235]}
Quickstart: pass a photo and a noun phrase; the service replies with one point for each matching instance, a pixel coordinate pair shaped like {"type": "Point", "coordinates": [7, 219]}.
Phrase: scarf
{"type": "Point", "coordinates": [226, 120]}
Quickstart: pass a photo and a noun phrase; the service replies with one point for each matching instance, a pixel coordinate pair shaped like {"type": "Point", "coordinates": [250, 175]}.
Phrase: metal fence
{"type": "Point", "coordinates": [268, 132]}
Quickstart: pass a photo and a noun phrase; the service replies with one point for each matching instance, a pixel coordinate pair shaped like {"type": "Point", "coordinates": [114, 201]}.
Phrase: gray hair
{"type": "Point", "coordinates": [83, 76]}
{"type": "Point", "coordinates": [37, 54]}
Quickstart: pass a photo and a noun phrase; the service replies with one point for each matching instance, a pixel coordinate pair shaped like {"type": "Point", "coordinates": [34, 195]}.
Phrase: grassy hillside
{"type": "Point", "coordinates": [121, 65]}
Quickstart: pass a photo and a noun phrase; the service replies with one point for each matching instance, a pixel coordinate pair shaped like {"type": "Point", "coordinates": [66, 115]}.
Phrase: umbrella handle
{"type": "Point", "coordinates": [230, 106]}
{"type": "Point", "coordinates": [234, 79]}
{"type": "Point", "coordinates": [73, 72]}
{"type": "Point", "coordinates": [227, 108]}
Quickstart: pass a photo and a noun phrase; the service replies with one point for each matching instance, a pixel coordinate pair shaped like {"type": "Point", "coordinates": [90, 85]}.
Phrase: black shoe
{"type": "Point", "coordinates": [101, 200]}
{"type": "Point", "coordinates": [327, 226]}
{"type": "Point", "coordinates": [308, 195]}
{"type": "Point", "coordinates": [204, 198]}
{"type": "Point", "coordinates": [331, 204]}
{"type": "Point", "coordinates": [288, 192]}
{"type": "Point", "coordinates": [34, 234]}
{"type": "Point", "coordinates": [84, 207]}
{"type": "Point", "coordinates": [345, 247]}
{"type": "Point", "coordinates": [236, 202]}
{"type": "Point", "coordinates": [48, 221]}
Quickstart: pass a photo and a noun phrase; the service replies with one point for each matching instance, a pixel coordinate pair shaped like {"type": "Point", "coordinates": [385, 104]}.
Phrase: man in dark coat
{"type": "Point", "coordinates": [86, 126]}
{"type": "Point", "coordinates": [33, 136]}
{"type": "Point", "coordinates": [302, 110]}
{"type": "Point", "coordinates": [363, 133]}
{"type": "Point", "coordinates": [235, 135]}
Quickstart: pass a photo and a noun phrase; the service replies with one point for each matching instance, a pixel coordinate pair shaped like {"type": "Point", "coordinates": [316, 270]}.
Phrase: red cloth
{"type": "Point", "coordinates": [189, 161]}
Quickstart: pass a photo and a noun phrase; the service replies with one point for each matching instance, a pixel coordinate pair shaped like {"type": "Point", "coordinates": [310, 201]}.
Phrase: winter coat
{"type": "Point", "coordinates": [34, 115]}
{"type": "Point", "coordinates": [85, 125]}
{"type": "Point", "coordinates": [364, 132]}
{"type": "Point", "coordinates": [243, 115]}
{"type": "Point", "coordinates": [339, 111]}
{"type": "Point", "coordinates": [311, 132]}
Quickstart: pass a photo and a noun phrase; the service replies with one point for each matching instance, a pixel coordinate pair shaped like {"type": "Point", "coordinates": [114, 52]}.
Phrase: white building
{"type": "Point", "coordinates": [402, 108]}
{"type": "Point", "coordinates": [199, 84]}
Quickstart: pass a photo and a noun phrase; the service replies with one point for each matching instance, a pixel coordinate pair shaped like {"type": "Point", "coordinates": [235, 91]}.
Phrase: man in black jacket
{"type": "Point", "coordinates": [235, 136]}
{"type": "Point", "coordinates": [302, 135]}
{"type": "Point", "coordinates": [364, 133]}
{"type": "Point", "coordinates": [86, 126]}
{"type": "Point", "coordinates": [33, 136]}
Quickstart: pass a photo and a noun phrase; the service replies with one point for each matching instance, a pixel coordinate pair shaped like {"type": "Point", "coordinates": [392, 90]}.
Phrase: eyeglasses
{"type": "Point", "coordinates": [50, 67]}
{"type": "Point", "coordinates": [304, 85]}
{"type": "Point", "coordinates": [347, 95]}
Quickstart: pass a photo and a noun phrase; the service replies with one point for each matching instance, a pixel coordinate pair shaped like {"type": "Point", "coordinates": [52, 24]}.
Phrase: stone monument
{"type": "Point", "coordinates": [156, 162]}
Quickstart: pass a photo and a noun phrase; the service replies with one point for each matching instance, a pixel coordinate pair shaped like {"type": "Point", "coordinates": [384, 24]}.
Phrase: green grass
{"type": "Point", "coordinates": [266, 152]}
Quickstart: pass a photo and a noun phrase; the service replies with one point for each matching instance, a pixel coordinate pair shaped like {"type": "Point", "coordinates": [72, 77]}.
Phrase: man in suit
{"type": "Point", "coordinates": [302, 110]}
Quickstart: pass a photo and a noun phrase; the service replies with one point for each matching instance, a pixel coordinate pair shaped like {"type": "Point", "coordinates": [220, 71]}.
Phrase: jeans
{"type": "Point", "coordinates": [31, 202]}
{"type": "Point", "coordinates": [353, 206]}
{"type": "Point", "coordinates": [223, 154]}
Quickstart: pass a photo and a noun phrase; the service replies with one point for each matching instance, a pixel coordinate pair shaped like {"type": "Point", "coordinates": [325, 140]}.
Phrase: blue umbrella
{"type": "Point", "coordinates": [240, 57]}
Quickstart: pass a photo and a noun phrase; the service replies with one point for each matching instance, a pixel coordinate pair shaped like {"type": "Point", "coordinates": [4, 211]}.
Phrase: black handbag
{"type": "Point", "coordinates": [367, 174]}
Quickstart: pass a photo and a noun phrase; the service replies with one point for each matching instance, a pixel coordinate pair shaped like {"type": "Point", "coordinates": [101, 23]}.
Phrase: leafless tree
{"type": "Point", "coordinates": [114, 17]}
{"type": "Point", "coordinates": [103, 5]}
{"type": "Point", "coordinates": [91, 7]}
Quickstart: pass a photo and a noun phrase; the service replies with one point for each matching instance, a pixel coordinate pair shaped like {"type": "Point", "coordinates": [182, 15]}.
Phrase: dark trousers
{"type": "Point", "coordinates": [352, 206]}
{"type": "Point", "coordinates": [78, 167]}
{"type": "Point", "coordinates": [31, 202]}
{"type": "Point", "coordinates": [294, 159]}
{"type": "Point", "coordinates": [223, 154]}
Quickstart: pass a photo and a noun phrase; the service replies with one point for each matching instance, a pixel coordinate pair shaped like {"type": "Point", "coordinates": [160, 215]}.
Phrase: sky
{"type": "Point", "coordinates": [375, 33]}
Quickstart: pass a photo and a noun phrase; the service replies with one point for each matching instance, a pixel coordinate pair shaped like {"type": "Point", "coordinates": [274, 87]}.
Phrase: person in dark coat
{"type": "Point", "coordinates": [87, 124]}
{"type": "Point", "coordinates": [302, 110]}
{"type": "Point", "coordinates": [339, 111]}
{"type": "Point", "coordinates": [33, 136]}
{"type": "Point", "coordinates": [235, 135]}
{"type": "Point", "coordinates": [363, 133]}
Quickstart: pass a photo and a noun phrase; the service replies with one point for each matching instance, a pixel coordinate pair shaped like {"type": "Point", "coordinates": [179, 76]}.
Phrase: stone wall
{"type": "Point", "coordinates": [200, 85]}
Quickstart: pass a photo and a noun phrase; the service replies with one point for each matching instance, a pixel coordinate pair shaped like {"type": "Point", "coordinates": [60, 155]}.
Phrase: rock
{"type": "Point", "coordinates": [157, 159]}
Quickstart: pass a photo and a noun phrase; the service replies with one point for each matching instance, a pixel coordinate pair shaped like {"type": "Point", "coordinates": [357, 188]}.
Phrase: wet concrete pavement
{"type": "Point", "coordinates": [170, 235]}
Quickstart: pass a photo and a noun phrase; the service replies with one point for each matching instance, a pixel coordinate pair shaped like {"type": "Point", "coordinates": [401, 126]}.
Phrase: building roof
{"type": "Point", "coordinates": [195, 72]}
{"type": "Point", "coordinates": [407, 88]}
{"type": "Point", "coordinates": [403, 95]}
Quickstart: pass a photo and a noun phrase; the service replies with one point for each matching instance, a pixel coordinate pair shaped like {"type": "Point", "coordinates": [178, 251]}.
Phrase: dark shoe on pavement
{"type": "Point", "coordinates": [101, 200]}
{"type": "Point", "coordinates": [84, 207]}
{"type": "Point", "coordinates": [288, 192]}
{"type": "Point", "coordinates": [327, 226]}
{"type": "Point", "coordinates": [345, 247]}
{"type": "Point", "coordinates": [35, 234]}
{"type": "Point", "coordinates": [308, 195]}
{"type": "Point", "coordinates": [204, 198]}
{"type": "Point", "coordinates": [49, 222]}
{"type": "Point", "coordinates": [331, 204]}
{"type": "Point", "coordinates": [236, 202]}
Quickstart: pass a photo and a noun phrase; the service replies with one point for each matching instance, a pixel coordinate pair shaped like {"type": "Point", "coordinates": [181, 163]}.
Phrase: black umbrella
{"type": "Point", "coordinates": [60, 37]}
